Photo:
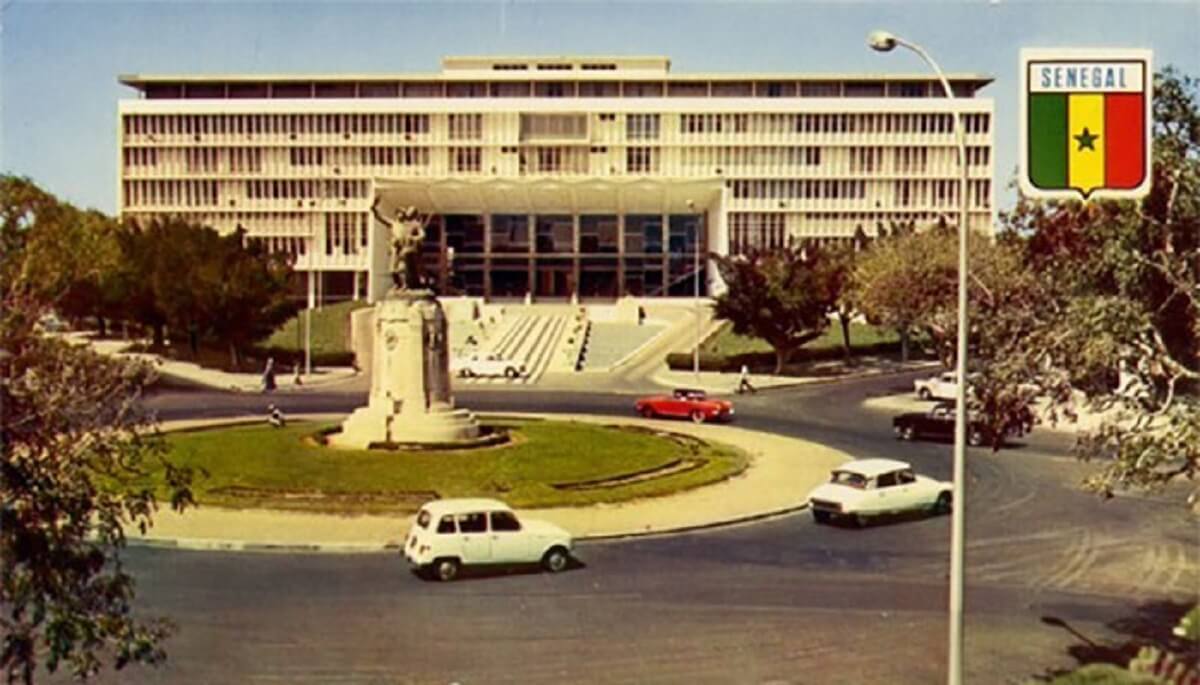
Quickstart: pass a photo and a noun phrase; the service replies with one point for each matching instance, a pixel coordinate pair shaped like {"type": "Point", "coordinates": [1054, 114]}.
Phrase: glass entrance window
{"type": "Point", "coordinates": [510, 277]}
{"type": "Point", "coordinates": [554, 277]}
{"type": "Point", "coordinates": [464, 233]}
{"type": "Point", "coordinates": [643, 276]}
{"type": "Point", "coordinates": [598, 234]}
{"type": "Point", "coordinates": [643, 234]}
{"type": "Point", "coordinates": [598, 277]}
{"type": "Point", "coordinates": [555, 234]}
{"type": "Point", "coordinates": [510, 233]}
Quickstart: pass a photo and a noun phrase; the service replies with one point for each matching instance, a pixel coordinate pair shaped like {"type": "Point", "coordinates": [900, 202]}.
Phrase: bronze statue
{"type": "Point", "coordinates": [408, 232]}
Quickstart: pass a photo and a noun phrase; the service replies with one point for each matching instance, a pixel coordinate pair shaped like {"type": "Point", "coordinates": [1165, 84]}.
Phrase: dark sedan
{"type": "Point", "coordinates": [938, 423]}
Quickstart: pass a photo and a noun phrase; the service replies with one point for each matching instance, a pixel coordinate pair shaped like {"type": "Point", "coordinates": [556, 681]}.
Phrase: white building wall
{"type": "Point", "coordinates": [299, 174]}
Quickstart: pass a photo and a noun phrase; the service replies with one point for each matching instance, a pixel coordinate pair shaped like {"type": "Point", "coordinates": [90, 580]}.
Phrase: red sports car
{"type": "Point", "coordinates": [685, 403]}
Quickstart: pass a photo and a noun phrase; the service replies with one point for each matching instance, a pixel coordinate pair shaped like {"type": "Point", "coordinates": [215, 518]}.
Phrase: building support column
{"type": "Point", "coordinates": [487, 257]}
{"type": "Point", "coordinates": [620, 254]}
{"type": "Point", "coordinates": [575, 259]}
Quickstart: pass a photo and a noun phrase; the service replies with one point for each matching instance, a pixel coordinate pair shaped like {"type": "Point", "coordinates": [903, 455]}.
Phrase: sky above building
{"type": "Point", "coordinates": [59, 62]}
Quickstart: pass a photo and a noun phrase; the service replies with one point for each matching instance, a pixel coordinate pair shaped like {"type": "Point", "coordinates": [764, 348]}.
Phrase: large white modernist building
{"type": "Point", "coordinates": [589, 176]}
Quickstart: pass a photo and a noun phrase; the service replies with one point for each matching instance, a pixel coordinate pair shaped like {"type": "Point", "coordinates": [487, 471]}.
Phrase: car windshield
{"type": "Point", "coordinates": [689, 394]}
{"type": "Point", "coordinates": [849, 478]}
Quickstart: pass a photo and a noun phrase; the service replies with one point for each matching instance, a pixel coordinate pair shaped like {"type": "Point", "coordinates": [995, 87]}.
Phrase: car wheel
{"type": "Point", "coordinates": [820, 516]}
{"type": "Point", "coordinates": [924, 394]}
{"type": "Point", "coordinates": [860, 520]}
{"type": "Point", "coordinates": [466, 373]}
{"type": "Point", "coordinates": [646, 412]}
{"type": "Point", "coordinates": [697, 416]}
{"type": "Point", "coordinates": [556, 559]}
{"type": "Point", "coordinates": [908, 433]}
{"type": "Point", "coordinates": [975, 438]}
{"type": "Point", "coordinates": [943, 504]}
{"type": "Point", "coordinates": [511, 372]}
{"type": "Point", "coordinates": [446, 569]}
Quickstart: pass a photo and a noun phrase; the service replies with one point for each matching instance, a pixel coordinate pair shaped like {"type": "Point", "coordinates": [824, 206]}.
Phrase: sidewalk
{"type": "Point", "coordinates": [781, 473]}
{"type": "Point", "coordinates": [717, 382]}
{"type": "Point", "coordinates": [187, 373]}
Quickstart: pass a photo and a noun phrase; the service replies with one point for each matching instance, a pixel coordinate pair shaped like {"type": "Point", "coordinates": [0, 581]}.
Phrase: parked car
{"type": "Point", "coordinates": [865, 488]}
{"type": "Point", "coordinates": [486, 365]}
{"type": "Point", "coordinates": [685, 403]}
{"type": "Point", "coordinates": [451, 533]}
{"type": "Point", "coordinates": [943, 386]}
{"type": "Point", "coordinates": [938, 423]}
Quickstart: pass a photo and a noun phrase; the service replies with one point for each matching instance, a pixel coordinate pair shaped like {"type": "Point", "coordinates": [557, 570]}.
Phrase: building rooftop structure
{"type": "Point", "coordinates": [514, 70]}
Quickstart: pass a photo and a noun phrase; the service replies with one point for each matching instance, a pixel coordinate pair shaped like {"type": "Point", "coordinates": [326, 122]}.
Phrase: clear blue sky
{"type": "Point", "coordinates": [59, 61]}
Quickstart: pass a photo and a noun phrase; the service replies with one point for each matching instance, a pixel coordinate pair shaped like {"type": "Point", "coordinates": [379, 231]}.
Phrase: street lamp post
{"type": "Point", "coordinates": [696, 292]}
{"type": "Point", "coordinates": [884, 42]}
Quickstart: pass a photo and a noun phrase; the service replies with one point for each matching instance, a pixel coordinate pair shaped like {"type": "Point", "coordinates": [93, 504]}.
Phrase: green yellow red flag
{"type": "Point", "coordinates": [1086, 124]}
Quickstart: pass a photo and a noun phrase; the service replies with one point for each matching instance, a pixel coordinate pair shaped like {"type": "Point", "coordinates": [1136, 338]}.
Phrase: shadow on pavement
{"type": "Point", "coordinates": [487, 571]}
{"type": "Point", "coordinates": [1151, 625]}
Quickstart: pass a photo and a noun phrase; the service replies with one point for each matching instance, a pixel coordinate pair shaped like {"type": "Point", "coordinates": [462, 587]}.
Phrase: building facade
{"type": "Point", "coordinates": [553, 177]}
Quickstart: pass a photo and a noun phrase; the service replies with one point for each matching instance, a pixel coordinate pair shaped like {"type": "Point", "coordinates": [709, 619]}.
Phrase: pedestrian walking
{"type": "Point", "coordinates": [744, 381]}
{"type": "Point", "coordinates": [296, 378]}
{"type": "Point", "coordinates": [268, 376]}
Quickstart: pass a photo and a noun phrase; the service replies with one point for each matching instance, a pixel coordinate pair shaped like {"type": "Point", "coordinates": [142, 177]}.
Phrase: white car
{"type": "Point", "coordinates": [486, 365]}
{"type": "Point", "coordinates": [941, 387]}
{"type": "Point", "coordinates": [861, 489]}
{"type": "Point", "coordinates": [451, 533]}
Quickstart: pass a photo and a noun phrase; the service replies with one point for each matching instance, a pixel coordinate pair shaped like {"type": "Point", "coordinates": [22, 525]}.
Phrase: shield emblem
{"type": "Point", "coordinates": [1086, 123]}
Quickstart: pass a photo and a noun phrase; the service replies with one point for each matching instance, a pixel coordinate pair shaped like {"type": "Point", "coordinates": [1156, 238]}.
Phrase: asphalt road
{"type": "Point", "coordinates": [775, 601]}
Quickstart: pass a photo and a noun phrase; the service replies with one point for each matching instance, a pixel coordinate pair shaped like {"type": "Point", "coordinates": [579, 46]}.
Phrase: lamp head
{"type": "Point", "coordinates": [881, 41]}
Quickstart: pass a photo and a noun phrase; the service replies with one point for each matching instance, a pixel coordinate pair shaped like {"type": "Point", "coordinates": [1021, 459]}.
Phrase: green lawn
{"type": "Point", "coordinates": [259, 466]}
{"type": "Point", "coordinates": [330, 330]}
{"type": "Point", "coordinates": [727, 343]}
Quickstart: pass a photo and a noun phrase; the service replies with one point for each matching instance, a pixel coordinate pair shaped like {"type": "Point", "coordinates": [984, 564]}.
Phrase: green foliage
{"type": "Point", "coordinates": [203, 283]}
{"type": "Point", "coordinates": [780, 296]}
{"type": "Point", "coordinates": [1120, 316]}
{"type": "Point", "coordinates": [330, 330]}
{"type": "Point", "coordinates": [73, 442]}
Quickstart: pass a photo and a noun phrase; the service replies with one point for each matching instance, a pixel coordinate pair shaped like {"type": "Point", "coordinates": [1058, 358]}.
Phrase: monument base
{"type": "Point", "coordinates": [377, 424]}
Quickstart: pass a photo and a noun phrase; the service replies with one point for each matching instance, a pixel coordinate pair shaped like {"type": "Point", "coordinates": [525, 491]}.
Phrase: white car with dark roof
{"type": "Point", "coordinates": [860, 490]}
{"type": "Point", "coordinates": [449, 534]}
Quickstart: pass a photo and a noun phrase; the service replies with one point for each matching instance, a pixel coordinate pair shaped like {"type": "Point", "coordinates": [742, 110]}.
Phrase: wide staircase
{"type": "Point", "coordinates": [609, 343]}
{"type": "Point", "coordinates": [527, 335]}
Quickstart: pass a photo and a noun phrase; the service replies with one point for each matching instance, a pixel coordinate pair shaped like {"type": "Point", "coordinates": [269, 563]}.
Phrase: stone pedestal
{"type": "Point", "coordinates": [410, 399]}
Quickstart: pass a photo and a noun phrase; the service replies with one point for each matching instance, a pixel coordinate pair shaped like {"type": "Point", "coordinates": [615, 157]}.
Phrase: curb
{"type": "Point", "coordinates": [216, 545]}
{"type": "Point", "coordinates": [804, 381]}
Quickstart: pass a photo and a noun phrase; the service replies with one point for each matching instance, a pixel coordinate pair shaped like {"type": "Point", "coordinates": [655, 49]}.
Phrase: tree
{"type": "Point", "coordinates": [245, 292]}
{"type": "Point", "coordinates": [1121, 321]}
{"type": "Point", "coordinates": [73, 443]}
{"type": "Point", "coordinates": [839, 276]}
{"type": "Point", "coordinates": [779, 296]}
{"type": "Point", "coordinates": [901, 276]}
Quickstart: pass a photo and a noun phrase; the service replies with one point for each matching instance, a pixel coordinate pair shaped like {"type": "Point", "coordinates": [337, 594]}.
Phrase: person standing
{"type": "Point", "coordinates": [268, 376]}
{"type": "Point", "coordinates": [744, 381]}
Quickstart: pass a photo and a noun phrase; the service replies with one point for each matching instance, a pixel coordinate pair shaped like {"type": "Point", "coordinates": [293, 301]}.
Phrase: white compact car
{"type": "Point", "coordinates": [451, 533]}
{"type": "Point", "coordinates": [861, 489]}
{"type": "Point", "coordinates": [486, 365]}
{"type": "Point", "coordinates": [941, 387]}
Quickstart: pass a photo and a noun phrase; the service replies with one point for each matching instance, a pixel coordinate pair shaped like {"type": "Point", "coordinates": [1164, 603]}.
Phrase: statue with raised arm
{"type": "Point", "coordinates": [408, 232]}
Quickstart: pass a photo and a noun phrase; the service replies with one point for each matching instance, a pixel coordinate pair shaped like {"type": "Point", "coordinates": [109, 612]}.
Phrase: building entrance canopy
{"type": "Point", "coordinates": [548, 196]}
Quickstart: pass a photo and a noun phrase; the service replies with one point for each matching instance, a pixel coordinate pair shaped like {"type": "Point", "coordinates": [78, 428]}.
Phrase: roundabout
{"type": "Point", "coordinates": [776, 598]}
{"type": "Point", "coordinates": [596, 476]}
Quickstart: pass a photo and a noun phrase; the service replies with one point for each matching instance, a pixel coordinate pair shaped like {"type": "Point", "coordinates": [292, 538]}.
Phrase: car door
{"type": "Point", "coordinates": [907, 493]}
{"type": "Point", "coordinates": [474, 544]}
{"type": "Point", "coordinates": [510, 545]}
{"type": "Point", "coordinates": [885, 493]}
